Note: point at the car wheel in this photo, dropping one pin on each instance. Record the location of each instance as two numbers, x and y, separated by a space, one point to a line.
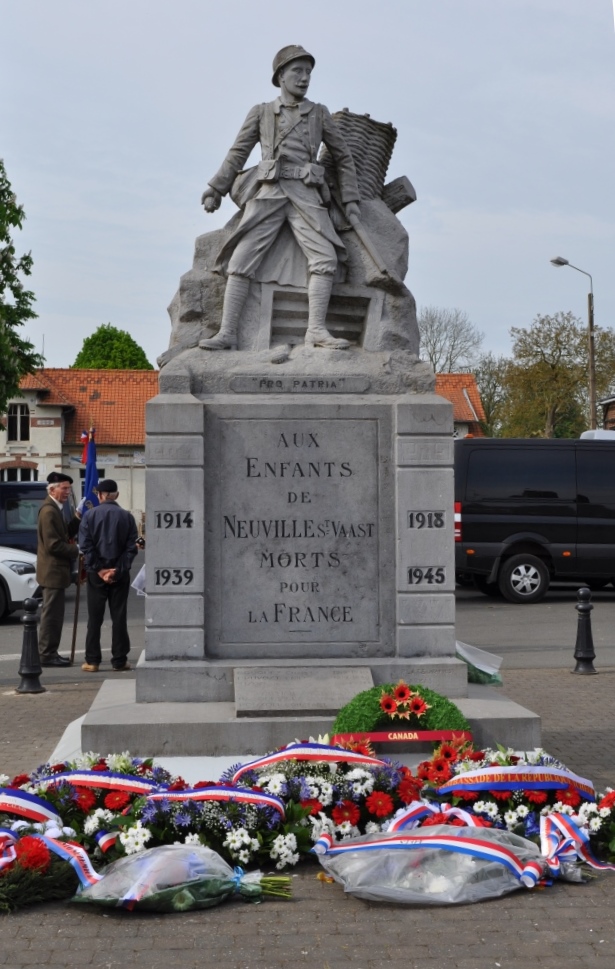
491 589
524 578
3 604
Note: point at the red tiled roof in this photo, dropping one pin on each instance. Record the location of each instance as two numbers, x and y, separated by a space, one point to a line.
112 401
461 390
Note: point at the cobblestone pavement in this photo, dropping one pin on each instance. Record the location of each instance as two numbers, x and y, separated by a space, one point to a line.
321 928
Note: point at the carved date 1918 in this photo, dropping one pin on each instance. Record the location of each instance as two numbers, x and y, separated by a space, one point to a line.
425 519
430 574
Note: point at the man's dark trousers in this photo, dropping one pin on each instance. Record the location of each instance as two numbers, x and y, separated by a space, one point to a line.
116 595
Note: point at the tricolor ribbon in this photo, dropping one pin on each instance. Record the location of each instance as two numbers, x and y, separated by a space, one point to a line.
529 873
518 778
313 752
415 812
106 839
7 848
14 801
223 792
75 856
107 780
561 839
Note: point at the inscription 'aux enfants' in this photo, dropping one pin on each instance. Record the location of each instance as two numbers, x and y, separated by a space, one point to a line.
310 461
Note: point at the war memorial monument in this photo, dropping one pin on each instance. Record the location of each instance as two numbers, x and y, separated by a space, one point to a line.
299 464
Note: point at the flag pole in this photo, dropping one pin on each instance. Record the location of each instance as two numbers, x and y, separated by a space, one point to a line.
77 597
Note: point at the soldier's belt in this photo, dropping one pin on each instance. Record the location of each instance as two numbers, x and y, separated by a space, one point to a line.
294 172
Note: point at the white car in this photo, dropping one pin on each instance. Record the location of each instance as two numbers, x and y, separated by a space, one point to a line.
17 579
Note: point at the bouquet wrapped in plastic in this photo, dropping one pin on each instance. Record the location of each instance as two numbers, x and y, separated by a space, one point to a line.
435 865
178 878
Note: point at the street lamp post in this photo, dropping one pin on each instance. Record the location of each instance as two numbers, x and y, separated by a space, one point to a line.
560 261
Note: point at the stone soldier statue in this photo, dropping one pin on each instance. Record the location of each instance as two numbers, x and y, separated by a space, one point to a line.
288 186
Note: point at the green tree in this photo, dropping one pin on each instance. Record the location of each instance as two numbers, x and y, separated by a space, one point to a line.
491 372
17 355
111 349
448 339
546 382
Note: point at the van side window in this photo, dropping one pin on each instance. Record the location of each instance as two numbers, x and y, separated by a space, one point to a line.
514 473
596 476
22 513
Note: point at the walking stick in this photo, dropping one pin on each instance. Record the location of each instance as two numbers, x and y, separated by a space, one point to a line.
72 648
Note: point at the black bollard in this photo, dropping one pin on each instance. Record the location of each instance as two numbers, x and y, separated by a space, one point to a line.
584 647
30 664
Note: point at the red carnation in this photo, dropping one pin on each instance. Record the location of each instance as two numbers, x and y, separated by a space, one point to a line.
439 770
501 795
313 804
409 790
33 853
423 771
465 795
379 803
116 800
19 780
448 751
347 811
178 784
475 755
568 796
536 797
607 801
432 819
388 703
57 768
200 784
100 766
86 800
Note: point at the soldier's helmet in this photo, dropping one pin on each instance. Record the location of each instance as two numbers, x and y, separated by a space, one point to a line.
285 56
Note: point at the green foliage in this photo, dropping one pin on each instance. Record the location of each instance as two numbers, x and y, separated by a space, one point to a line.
363 714
24 886
17 355
111 349
490 373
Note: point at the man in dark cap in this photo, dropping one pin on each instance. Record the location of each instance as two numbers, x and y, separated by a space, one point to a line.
108 540
289 188
55 555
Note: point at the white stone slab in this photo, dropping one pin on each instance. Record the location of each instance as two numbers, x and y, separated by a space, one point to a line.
308 691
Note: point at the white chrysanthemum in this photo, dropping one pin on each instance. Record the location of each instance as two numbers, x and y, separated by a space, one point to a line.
98 819
254 844
560 808
491 809
326 793
274 784
510 819
243 856
319 825
346 829
85 760
371 827
119 762
479 807
4 779
595 824
135 838
192 839
234 839
523 811
603 812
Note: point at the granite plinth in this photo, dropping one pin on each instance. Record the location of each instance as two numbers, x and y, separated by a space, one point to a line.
115 721
297 691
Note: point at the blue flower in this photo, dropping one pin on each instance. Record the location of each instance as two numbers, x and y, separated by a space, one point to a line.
183 819
532 825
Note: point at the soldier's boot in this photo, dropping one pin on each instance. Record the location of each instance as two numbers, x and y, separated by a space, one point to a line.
317 335
234 301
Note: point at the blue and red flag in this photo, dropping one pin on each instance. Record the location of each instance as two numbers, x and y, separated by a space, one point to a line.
91 472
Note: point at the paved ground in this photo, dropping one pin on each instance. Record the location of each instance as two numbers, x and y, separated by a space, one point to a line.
565 926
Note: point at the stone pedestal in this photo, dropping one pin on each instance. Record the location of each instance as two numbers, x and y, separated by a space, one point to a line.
299 549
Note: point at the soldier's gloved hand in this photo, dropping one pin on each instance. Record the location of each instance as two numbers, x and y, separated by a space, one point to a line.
352 211
211 199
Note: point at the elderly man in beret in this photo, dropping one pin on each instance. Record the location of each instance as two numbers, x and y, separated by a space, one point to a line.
55 556
289 188
108 540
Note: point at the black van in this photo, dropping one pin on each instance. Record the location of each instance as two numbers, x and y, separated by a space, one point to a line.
531 511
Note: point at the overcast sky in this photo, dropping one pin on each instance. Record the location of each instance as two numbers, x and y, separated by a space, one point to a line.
114 115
